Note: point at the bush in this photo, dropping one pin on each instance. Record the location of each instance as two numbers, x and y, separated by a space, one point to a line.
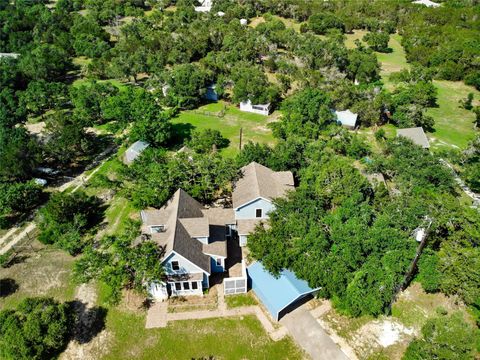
203 141
428 274
38 328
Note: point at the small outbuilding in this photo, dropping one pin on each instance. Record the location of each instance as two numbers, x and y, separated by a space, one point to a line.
134 151
279 295
262 109
426 3
205 6
417 135
347 118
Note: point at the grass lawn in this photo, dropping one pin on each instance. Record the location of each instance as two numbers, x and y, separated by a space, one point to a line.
254 126
223 338
453 125
239 300
40 271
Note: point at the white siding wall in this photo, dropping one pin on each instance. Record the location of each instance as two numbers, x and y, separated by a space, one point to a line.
248 107
248 211
243 240
185 265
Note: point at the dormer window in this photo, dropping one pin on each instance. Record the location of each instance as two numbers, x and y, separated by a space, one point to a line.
155 229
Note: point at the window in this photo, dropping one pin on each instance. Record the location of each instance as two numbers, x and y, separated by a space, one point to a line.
218 262
186 286
178 286
228 231
194 285
175 266
154 229
258 213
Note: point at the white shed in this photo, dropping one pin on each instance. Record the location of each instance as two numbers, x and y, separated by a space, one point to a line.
427 3
262 109
205 6
347 118
134 151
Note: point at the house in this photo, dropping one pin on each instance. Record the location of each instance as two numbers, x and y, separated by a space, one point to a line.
426 3
253 196
194 241
211 94
134 151
347 118
417 135
262 109
205 6
243 22
9 55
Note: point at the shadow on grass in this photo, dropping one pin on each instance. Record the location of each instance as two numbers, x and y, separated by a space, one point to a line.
8 287
89 321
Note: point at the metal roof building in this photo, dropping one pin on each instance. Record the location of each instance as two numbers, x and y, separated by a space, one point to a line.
277 294
347 118
134 151
417 135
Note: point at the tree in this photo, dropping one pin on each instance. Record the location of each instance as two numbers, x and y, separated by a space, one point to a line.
41 96
67 140
46 61
17 198
252 84
39 328
66 218
187 85
378 41
445 337
363 65
119 264
19 154
89 38
206 140
320 23
467 103
153 126
476 111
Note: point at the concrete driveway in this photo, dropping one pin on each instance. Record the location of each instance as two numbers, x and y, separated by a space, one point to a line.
309 335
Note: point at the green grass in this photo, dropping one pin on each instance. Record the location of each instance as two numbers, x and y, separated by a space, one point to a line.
222 338
239 300
453 125
118 213
254 126
115 82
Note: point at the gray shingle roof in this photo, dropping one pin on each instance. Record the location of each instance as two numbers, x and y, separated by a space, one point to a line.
184 219
260 181
417 135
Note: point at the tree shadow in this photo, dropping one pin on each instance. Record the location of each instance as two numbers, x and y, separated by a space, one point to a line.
182 132
8 287
89 321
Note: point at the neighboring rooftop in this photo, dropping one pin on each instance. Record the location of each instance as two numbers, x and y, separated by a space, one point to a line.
260 181
134 151
427 3
347 118
417 135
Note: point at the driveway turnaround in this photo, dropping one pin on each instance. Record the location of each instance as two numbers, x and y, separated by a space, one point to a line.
308 333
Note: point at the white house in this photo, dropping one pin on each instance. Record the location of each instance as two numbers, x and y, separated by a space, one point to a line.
253 194
134 151
262 109
347 118
427 3
205 6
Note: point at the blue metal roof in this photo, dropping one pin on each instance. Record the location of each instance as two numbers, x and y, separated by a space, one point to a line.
277 293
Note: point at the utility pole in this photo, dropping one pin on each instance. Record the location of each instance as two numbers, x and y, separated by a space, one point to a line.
240 143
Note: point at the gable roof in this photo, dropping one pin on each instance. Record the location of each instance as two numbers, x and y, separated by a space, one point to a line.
347 118
258 181
417 135
183 219
138 146
277 293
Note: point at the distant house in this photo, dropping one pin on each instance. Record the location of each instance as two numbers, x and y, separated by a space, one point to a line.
253 194
347 118
262 109
134 151
427 3
243 22
194 240
205 6
9 55
211 94
417 135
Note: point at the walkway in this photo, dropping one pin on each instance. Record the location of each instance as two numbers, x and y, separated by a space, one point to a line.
475 197
309 335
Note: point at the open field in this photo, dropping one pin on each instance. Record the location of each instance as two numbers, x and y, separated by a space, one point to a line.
388 337
254 126
222 338
39 271
453 124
